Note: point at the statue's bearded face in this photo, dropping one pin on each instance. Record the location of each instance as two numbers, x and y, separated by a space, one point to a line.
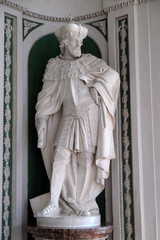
73 46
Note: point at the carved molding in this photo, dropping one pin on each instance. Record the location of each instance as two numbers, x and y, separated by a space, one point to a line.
101 25
9 128
78 18
125 138
29 26
14 126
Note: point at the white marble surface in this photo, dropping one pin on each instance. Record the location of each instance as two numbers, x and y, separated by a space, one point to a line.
69 222
75 122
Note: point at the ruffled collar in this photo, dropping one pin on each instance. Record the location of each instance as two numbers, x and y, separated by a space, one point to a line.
61 69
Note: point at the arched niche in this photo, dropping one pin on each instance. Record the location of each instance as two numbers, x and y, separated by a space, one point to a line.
43 49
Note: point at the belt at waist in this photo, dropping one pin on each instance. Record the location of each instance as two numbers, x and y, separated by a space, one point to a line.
78 110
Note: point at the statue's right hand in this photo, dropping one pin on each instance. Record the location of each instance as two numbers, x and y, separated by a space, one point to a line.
41 133
40 139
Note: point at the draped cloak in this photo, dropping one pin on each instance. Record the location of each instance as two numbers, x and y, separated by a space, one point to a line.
94 73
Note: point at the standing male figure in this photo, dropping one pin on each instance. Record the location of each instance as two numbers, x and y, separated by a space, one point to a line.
75 121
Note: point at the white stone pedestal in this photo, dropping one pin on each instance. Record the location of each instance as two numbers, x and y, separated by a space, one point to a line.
71 222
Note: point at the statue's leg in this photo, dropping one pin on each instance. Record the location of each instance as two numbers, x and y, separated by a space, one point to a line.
85 166
76 187
87 188
85 161
61 159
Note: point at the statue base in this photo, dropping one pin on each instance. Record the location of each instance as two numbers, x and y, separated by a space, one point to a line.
98 233
63 221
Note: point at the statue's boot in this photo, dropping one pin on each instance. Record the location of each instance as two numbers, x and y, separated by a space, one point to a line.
61 158
50 210
79 211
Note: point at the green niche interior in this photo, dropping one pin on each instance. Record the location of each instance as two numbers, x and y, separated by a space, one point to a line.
44 49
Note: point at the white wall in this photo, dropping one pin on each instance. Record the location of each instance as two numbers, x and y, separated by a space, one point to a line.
62 8
154 15
147 59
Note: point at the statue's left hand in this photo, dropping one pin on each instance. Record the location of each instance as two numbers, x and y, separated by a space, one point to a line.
94 95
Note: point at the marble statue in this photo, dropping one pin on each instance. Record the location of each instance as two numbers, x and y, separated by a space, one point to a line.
75 121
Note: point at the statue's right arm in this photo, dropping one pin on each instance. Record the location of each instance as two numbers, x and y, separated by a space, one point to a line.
41 122
49 99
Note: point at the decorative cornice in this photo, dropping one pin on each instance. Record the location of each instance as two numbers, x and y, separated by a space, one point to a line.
125 4
78 18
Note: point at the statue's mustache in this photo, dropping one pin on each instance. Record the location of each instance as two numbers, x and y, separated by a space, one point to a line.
77 48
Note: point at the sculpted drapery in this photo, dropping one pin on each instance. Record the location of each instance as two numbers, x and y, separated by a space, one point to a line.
76 122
